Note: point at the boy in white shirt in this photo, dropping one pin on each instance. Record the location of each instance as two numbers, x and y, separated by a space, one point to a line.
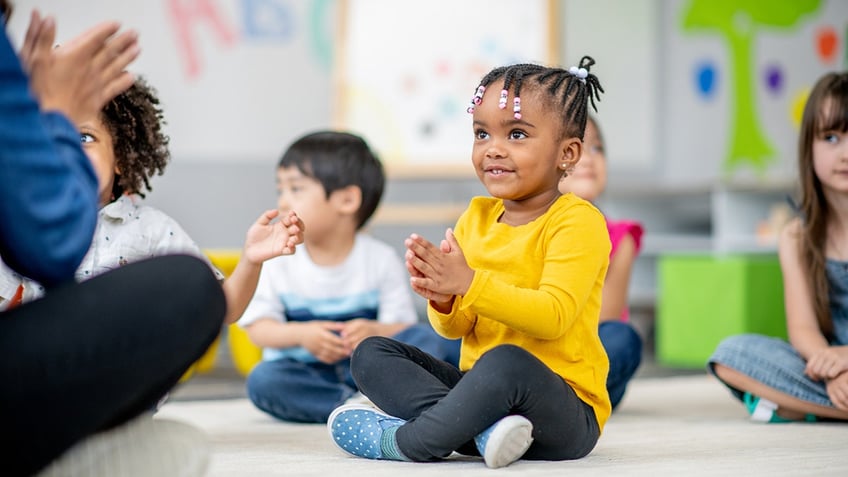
312 309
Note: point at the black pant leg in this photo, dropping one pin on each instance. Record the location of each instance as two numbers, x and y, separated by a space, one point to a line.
90 356
399 378
505 380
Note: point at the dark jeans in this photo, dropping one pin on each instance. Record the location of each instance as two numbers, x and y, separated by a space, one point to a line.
292 390
446 408
90 356
624 349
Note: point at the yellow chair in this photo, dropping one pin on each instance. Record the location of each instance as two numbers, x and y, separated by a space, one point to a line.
224 260
244 353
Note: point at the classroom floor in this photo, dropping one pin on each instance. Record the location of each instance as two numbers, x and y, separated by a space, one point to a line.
671 422
678 424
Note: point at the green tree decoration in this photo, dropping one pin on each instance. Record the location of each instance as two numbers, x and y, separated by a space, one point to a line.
738 22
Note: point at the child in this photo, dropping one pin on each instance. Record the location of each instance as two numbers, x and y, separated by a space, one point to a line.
621 342
807 377
519 280
127 146
313 309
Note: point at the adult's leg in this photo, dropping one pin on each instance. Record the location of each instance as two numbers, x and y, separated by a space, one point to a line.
770 368
90 356
624 349
294 391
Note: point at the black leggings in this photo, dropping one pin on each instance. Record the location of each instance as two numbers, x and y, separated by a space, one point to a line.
90 356
446 408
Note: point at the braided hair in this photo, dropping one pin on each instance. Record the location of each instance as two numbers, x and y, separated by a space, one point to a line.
135 122
574 87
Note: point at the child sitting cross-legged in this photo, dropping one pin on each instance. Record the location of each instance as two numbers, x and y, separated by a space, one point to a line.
620 339
313 309
519 280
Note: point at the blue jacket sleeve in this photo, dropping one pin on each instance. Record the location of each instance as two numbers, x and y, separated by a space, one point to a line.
48 189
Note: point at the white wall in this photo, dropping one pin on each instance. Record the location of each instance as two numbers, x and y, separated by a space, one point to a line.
623 38
264 76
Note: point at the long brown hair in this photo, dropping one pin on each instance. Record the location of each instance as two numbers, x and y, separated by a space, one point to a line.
826 110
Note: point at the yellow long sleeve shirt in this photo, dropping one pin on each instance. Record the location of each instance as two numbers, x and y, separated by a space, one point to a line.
537 286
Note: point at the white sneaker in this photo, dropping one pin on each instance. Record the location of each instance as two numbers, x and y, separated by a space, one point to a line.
142 447
505 441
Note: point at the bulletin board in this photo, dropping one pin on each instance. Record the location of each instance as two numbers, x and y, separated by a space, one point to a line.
406 71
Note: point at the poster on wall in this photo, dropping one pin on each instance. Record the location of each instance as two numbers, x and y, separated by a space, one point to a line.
736 78
406 71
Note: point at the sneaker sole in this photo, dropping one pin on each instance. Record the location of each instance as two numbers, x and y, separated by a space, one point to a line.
508 441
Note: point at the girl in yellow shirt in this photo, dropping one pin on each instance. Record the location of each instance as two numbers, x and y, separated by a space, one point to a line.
519 280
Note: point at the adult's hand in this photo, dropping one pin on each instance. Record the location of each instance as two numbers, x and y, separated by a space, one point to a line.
82 75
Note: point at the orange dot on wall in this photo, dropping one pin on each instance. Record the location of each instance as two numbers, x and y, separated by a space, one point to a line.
826 44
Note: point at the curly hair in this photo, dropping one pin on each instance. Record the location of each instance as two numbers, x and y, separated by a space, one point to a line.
135 121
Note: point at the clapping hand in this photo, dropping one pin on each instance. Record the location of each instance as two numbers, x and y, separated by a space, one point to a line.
437 273
267 238
80 77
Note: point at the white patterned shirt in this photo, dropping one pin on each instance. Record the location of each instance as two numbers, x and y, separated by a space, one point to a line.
126 232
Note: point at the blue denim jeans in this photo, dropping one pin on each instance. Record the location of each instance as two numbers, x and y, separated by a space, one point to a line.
296 391
771 361
624 349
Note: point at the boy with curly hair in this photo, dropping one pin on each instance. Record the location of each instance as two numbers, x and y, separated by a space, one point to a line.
127 146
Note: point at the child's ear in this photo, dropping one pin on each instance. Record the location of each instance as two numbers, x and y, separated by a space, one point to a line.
572 149
348 200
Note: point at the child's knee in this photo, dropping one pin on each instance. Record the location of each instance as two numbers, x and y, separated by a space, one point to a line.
507 363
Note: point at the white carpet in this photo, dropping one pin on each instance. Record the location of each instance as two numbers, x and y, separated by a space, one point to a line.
666 426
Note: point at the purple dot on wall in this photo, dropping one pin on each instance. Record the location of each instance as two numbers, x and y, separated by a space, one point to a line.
705 79
773 78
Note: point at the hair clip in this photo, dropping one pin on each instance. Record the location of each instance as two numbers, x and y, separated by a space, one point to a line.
502 100
516 107
579 73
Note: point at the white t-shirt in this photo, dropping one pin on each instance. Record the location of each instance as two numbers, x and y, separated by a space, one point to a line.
371 283
126 232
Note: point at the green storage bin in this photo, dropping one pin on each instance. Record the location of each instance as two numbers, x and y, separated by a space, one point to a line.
703 299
